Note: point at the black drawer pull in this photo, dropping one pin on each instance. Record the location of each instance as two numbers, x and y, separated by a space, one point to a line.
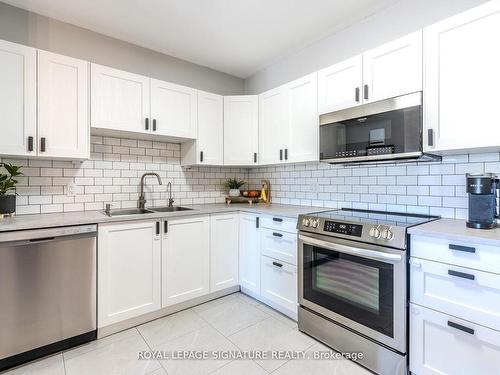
281 154
157 228
356 94
255 157
42 144
463 275
365 93
465 249
146 123
154 124
286 154
257 222
42 239
277 234
430 137
460 327
279 220
165 226
277 264
30 143
201 156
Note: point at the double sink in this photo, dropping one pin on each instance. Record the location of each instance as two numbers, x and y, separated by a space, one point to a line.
140 211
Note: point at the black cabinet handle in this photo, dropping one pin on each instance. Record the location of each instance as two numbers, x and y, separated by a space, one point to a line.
286 154
165 226
257 222
201 156
42 144
430 137
356 94
146 123
281 154
278 219
460 327
277 234
157 228
30 143
365 92
277 264
463 275
255 157
465 249
154 124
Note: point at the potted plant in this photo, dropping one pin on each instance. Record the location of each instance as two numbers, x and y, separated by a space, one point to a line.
234 187
7 189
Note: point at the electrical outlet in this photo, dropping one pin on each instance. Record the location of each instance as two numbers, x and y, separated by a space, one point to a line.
70 190
313 188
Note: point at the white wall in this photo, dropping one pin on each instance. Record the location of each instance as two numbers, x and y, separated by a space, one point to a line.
20 26
397 20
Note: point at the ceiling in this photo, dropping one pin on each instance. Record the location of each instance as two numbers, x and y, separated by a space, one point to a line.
238 37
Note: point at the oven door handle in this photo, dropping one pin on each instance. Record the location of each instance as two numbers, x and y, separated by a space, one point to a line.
364 253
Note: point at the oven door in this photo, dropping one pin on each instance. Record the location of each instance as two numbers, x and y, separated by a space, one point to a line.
360 286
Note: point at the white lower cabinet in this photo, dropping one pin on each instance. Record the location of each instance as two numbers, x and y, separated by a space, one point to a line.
249 262
441 344
223 251
185 259
128 271
279 285
279 245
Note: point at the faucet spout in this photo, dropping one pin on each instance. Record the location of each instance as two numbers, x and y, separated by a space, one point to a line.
141 203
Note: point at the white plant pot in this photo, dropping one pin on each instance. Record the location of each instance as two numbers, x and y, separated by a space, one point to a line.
234 192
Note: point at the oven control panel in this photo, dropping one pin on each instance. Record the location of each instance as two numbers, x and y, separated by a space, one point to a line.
343 228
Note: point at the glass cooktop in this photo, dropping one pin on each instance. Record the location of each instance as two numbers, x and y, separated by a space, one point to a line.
375 217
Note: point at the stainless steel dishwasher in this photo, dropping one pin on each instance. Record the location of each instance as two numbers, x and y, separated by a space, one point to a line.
47 291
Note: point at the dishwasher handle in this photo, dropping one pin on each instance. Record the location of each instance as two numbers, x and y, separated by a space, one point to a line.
33 236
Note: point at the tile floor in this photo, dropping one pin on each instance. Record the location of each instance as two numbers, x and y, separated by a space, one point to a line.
235 322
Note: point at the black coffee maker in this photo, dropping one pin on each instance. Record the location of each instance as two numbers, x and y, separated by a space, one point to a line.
483 206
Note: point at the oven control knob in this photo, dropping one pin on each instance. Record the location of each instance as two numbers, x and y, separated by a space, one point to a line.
374 232
387 234
306 221
314 223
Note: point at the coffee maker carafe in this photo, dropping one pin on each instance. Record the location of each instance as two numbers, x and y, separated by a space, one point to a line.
483 206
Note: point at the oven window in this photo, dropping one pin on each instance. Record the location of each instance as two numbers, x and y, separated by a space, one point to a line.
358 288
390 132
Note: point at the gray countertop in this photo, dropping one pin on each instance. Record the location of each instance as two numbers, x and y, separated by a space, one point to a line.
96 217
456 230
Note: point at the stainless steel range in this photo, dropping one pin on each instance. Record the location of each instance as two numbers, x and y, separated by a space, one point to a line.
353 283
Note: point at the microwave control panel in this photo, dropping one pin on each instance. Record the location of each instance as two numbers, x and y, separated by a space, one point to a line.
343 228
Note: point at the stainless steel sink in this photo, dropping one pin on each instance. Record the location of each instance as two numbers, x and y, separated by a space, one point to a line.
129 211
170 209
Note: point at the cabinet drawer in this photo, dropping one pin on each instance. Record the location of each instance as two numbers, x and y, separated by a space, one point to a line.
279 245
441 344
279 284
475 256
470 294
285 224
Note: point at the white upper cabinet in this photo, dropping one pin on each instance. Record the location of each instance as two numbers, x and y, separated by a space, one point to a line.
303 126
173 109
273 108
461 81
241 130
120 100
63 121
17 99
223 251
393 69
339 86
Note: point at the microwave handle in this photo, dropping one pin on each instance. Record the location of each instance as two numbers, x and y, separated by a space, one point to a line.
363 253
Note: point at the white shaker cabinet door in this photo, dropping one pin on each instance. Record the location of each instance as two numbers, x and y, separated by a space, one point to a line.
120 100
273 125
185 259
17 99
174 109
241 130
393 69
223 251
339 85
63 106
461 81
210 129
129 267
303 126
249 253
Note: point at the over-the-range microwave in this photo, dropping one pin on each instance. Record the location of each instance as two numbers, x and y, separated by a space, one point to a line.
387 130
